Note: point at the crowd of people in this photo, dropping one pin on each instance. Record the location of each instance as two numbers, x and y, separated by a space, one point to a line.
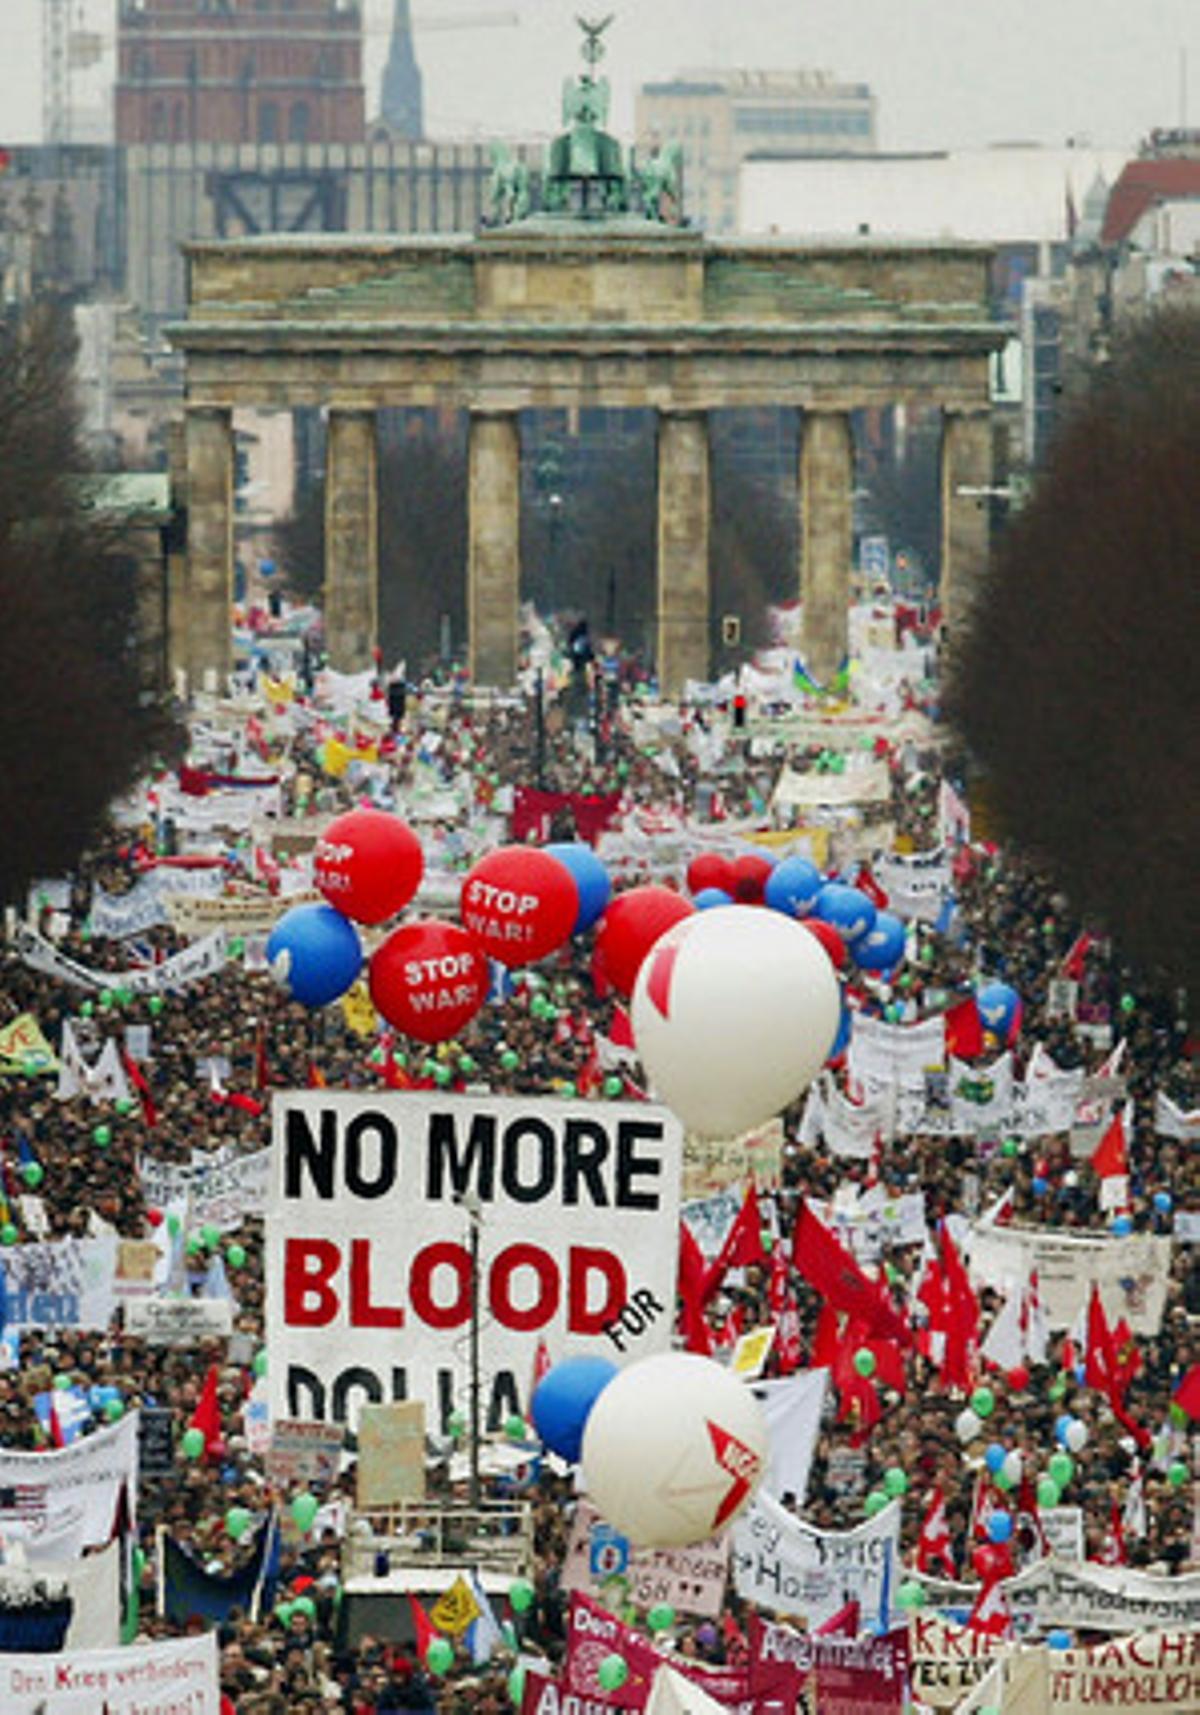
541 1037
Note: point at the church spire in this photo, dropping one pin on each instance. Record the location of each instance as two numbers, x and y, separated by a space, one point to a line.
401 105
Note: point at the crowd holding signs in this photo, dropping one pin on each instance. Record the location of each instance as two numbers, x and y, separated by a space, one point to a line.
769 1202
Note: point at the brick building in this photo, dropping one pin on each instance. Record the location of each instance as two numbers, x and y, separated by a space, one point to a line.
239 71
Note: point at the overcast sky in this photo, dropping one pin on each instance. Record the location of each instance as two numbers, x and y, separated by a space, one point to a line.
946 72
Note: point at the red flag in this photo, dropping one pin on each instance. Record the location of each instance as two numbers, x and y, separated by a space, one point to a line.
207 1415
316 1078
262 1073
541 1365
990 1614
1103 1371
697 1335
742 1247
1110 1158
830 1268
1072 965
1187 1395
964 1032
244 1103
961 1324
934 1548
1113 1551
424 1630
866 883
843 1624
826 1339
138 1079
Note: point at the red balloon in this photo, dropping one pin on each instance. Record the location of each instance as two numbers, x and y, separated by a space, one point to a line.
631 926
829 938
750 877
710 869
368 865
429 979
1018 1378
520 903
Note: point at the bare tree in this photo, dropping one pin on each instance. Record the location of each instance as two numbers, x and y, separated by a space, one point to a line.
1074 682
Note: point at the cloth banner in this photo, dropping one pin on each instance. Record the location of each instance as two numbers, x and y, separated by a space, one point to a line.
788 1566
368 1259
792 1408
533 813
895 1054
1149 1670
224 1188
252 914
981 1097
24 1049
191 1593
593 1633
104 1080
174 1678
917 886
871 1222
116 916
192 965
868 783
849 1128
58 1503
947 1661
865 1675
89 1589
64 1283
691 1580
1170 1120
1132 1272
711 1165
1086 1595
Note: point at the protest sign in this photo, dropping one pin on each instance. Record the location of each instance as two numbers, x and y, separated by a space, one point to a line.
1131 1272
24 1049
60 1502
303 1452
1170 1120
174 1678
1150 1670
947 1661
191 965
691 1580
916 885
391 1454
865 1675
710 1218
253 915
870 1222
368 1243
156 1445
711 1165
791 1567
894 1054
593 1634
179 1321
139 1264
792 1408
1100 1598
224 1189
116 916
1063 1530
63 1283
544 1695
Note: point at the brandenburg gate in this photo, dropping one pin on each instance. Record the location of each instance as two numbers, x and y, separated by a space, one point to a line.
598 298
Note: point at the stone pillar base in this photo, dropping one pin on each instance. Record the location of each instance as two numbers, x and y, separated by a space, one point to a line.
684 505
966 512
826 539
493 546
209 598
351 540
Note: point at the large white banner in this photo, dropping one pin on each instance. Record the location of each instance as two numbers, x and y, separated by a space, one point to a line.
61 1502
192 965
916 886
882 1054
1132 1272
175 1678
790 1567
64 1283
225 1188
368 1244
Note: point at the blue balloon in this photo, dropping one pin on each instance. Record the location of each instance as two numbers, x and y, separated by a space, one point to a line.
883 944
1163 1202
314 953
848 909
589 876
995 1456
563 1399
710 897
998 1006
793 886
1122 1226
1061 1424
841 1040
999 1526
1040 1186
1058 1639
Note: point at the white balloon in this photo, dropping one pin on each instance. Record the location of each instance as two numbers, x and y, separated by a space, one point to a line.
734 1013
1012 1466
673 1449
967 1424
1076 1437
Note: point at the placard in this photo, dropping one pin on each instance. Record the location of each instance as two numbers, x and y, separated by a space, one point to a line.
391 1454
178 1321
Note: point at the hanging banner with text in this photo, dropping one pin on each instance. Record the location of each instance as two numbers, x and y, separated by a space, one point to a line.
175 1678
788 1566
374 1203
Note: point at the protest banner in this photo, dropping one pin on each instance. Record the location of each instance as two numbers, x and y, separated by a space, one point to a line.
916 884
117 916
258 914
24 1049
63 1283
191 965
73 1606
1170 1120
174 1678
882 1054
866 784
1100 1598
376 1200
711 1165
1131 1272
303 1452
710 1218
60 1502
791 1567
1063 1530
1150 1670
691 1580
179 1321
843 1675
947 1661
391 1454
593 1633
156 1442
545 1695
139 1264
224 1188
870 1222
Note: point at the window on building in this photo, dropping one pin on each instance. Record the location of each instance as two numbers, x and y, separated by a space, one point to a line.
158 122
178 123
298 122
268 122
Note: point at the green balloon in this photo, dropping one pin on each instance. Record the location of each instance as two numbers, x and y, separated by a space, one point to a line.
865 1361
62 1382
114 1410
194 1245
211 1236
306 1606
875 1502
107 997
193 1443
456 1425
283 1613
509 1060
86 1008
124 995
1003 1481
1010 1147
155 1004
173 1225
612 1672
466 1065
911 1595
1128 1003
439 1657
1177 1414
33 1173
8 1234
1061 1467
102 1136
1048 1492
983 1402
661 1617
238 1521
123 1105
515 1427
1058 1388
304 1511
520 1595
895 1481
612 1087
1177 1474
236 947
235 1256
516 1685
569 1090
260 1361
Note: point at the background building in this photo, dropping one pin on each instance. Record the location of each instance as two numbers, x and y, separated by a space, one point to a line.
239 71
720 117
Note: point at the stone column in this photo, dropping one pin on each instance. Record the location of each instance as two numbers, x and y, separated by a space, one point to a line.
208 647
493 546
351 539
966 513
826 539
684 505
